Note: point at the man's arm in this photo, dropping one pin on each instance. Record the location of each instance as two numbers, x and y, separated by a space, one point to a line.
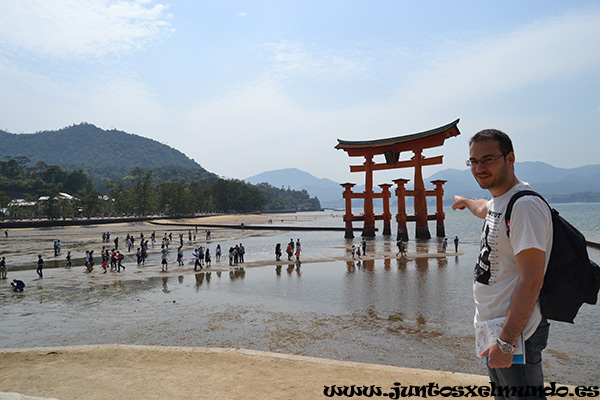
530 264
477 206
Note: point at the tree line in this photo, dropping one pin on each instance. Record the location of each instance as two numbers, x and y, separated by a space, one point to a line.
141 193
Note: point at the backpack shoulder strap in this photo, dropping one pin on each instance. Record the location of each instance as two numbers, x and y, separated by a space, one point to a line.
512 201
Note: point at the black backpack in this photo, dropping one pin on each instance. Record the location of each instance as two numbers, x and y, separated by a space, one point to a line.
571 277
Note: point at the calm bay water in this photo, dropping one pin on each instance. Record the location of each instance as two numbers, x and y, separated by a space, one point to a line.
415 312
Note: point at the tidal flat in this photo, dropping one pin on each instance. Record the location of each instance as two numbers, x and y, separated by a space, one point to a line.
412 312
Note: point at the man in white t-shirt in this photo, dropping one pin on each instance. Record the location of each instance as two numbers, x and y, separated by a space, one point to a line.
510 269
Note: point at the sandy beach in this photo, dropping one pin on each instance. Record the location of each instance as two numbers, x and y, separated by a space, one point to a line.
125 370
143 372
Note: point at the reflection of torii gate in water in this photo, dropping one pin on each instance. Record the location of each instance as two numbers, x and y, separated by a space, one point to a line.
391 149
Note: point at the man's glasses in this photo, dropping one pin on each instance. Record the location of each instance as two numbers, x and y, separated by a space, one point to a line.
485 161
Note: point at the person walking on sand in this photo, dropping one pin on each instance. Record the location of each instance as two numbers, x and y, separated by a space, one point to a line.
241 252
68 259
197 260
218 253
509 272
236 255
180 256
231 250
289 250
120 261
363 243
278 252
3 273
444 245
207 258
201 256
456 244
401 248
164 264
104 255
113 260
87 261
40 266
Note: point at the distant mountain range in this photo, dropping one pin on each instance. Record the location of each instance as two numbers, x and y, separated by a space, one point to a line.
553 182
112 154
328 191
556 184
102 154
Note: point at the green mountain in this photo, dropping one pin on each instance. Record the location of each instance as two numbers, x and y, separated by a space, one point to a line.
140 176
103 154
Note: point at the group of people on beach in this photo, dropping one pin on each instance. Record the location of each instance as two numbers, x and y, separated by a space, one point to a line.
57 248
445 244
201 257
236 254
113 259
291 249
356 250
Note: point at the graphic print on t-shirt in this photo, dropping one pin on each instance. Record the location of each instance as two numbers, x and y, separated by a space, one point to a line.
484 267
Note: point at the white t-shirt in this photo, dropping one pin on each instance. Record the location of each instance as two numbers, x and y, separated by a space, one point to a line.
496 273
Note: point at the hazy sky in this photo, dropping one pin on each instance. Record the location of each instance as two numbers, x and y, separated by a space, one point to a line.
248 86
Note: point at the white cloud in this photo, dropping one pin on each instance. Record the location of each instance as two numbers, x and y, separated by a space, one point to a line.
545 51
298 60
82 28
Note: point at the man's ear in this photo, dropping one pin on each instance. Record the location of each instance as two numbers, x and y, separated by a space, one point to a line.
510 158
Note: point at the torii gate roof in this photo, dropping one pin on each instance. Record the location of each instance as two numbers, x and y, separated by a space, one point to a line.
423 140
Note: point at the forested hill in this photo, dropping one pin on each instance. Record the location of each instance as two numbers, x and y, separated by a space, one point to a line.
102 154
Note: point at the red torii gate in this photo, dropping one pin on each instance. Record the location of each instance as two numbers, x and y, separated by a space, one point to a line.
391 148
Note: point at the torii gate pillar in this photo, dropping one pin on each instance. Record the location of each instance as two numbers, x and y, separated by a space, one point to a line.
422 228
348 217
401 219
439 214
369 226
387 216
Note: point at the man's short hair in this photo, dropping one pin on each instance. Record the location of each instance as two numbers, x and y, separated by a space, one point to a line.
494 134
